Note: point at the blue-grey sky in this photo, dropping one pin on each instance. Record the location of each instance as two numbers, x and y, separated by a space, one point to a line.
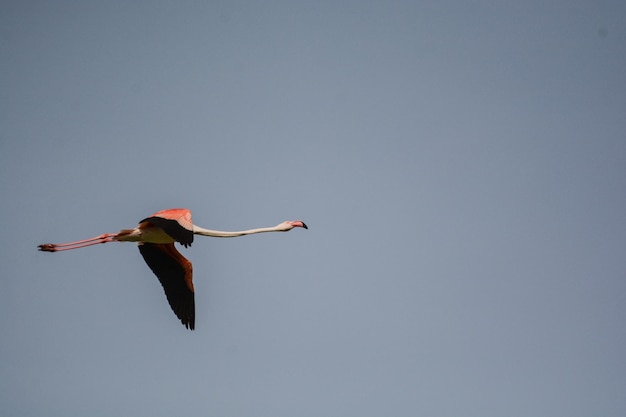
461 165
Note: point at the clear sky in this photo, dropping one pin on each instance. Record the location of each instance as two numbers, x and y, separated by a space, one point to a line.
461 166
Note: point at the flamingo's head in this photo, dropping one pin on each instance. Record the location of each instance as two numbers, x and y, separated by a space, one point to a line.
290 224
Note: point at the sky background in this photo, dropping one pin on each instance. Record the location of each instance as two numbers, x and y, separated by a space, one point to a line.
461 166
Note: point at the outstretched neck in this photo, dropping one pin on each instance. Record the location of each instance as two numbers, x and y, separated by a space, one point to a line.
219 233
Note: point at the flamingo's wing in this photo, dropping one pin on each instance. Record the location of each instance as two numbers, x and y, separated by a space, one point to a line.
175 273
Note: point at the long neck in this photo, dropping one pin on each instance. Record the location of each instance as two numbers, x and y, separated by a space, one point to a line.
218 233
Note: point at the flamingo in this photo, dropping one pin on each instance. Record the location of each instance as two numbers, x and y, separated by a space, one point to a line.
155 236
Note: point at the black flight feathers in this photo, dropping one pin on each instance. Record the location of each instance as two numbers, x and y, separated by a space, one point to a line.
171 274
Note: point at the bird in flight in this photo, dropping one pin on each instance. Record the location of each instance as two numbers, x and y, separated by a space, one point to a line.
155 236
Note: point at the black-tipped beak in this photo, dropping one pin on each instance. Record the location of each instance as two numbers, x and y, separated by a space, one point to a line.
304 225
